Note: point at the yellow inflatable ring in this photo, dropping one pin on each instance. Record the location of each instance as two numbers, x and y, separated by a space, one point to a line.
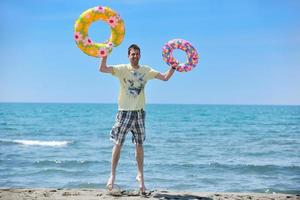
86 19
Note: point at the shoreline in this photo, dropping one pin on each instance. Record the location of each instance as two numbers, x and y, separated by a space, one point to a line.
91 194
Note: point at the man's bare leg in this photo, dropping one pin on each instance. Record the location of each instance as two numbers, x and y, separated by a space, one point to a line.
139 155
114 163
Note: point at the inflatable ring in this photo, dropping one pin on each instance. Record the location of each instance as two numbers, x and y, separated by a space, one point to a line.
192 55
86 19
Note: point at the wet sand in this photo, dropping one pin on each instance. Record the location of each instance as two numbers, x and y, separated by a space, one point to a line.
93 194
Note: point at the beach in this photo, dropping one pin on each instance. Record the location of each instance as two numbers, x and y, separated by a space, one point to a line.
93 194
211 148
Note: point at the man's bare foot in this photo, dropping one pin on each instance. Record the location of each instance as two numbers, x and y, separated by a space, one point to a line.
140 180
110 183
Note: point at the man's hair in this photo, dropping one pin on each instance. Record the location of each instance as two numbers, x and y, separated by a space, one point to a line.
135 47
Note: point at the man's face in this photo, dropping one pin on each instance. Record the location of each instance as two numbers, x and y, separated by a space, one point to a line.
134 57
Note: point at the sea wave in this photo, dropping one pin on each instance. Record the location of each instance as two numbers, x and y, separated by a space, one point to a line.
69 163
263 168
37 143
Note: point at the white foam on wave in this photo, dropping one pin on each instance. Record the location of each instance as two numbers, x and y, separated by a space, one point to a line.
39 143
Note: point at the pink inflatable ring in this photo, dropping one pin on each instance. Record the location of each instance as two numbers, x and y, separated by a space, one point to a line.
192 55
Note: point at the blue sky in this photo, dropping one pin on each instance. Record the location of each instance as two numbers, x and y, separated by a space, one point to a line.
249 51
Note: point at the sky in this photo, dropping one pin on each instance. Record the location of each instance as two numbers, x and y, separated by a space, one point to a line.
249 51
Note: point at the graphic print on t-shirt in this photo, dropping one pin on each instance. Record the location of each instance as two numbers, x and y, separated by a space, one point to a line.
134 83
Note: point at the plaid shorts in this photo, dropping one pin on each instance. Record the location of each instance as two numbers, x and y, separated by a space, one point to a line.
133 121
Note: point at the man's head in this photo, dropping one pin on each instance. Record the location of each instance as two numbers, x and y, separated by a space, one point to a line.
134 54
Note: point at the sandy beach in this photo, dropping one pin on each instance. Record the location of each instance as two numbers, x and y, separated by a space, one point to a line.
93 194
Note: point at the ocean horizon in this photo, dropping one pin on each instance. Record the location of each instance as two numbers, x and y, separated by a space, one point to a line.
193 147
147 104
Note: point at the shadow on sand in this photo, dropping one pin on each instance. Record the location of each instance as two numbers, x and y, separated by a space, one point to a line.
179 197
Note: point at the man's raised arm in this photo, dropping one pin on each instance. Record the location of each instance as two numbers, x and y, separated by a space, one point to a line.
103 67
166 76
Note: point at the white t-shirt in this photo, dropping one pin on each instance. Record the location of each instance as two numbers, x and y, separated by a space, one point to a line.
132 84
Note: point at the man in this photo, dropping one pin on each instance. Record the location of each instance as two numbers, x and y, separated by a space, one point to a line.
131 115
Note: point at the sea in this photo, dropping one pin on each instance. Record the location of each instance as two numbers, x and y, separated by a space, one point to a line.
202 148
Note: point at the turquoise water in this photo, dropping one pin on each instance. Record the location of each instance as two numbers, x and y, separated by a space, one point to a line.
188 147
